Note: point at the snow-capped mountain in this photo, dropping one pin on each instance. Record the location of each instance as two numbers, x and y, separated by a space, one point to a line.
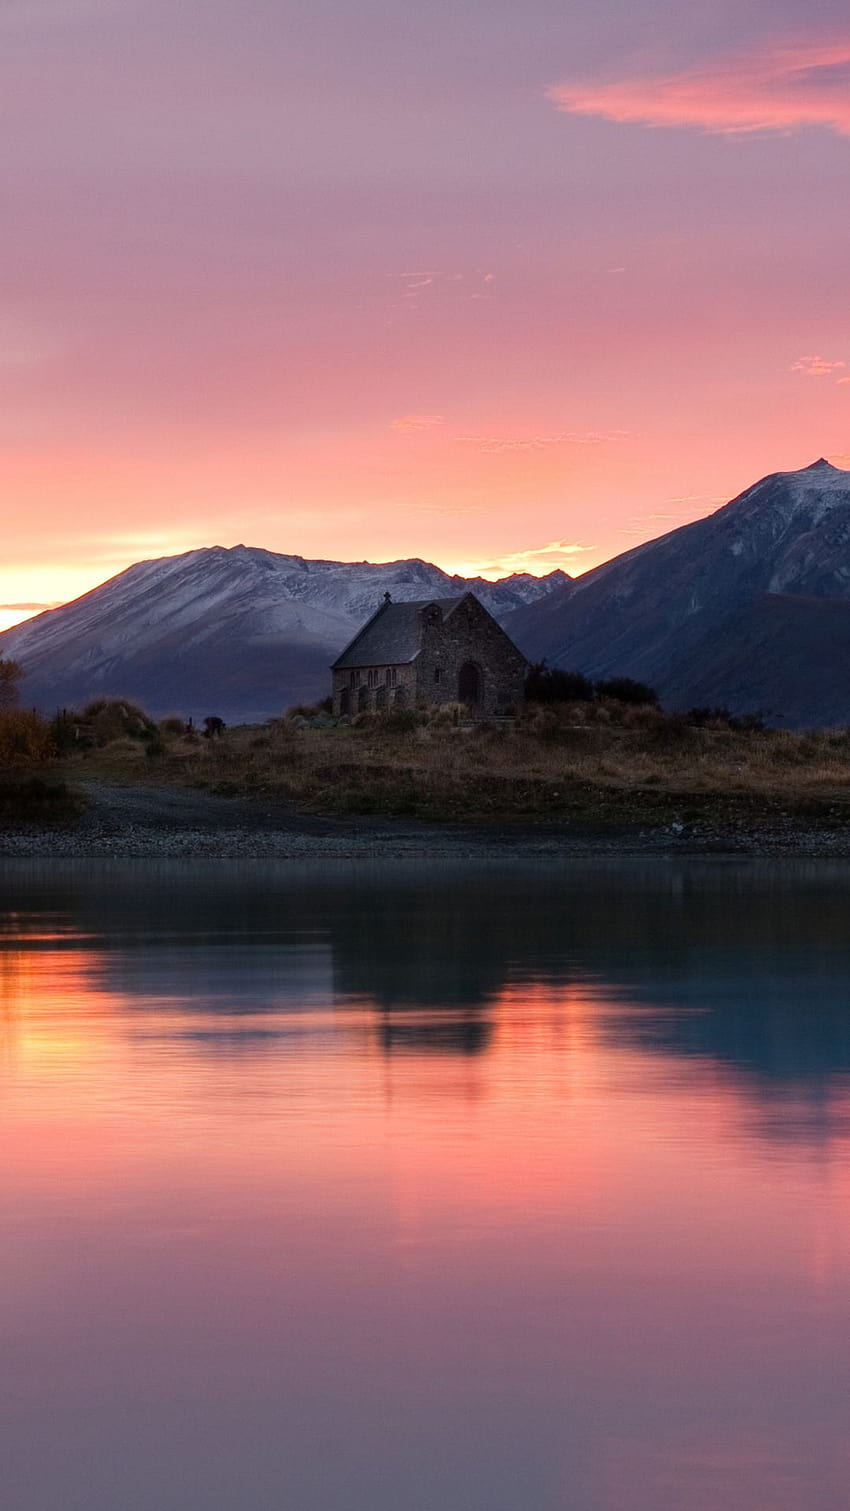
748 608
241 632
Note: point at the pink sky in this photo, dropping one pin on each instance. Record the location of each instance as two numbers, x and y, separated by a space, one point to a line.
506 288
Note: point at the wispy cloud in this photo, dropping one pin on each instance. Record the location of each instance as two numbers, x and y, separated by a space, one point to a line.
817 367
775 89
498 443
433 282
412 287
26 608
681 509
414 424
691 500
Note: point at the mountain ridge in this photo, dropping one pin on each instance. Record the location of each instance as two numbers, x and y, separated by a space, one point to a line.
654 612
238 630
727 609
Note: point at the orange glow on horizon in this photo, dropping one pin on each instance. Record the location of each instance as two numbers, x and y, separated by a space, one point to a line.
355 533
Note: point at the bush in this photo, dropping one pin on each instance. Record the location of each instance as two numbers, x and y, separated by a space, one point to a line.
674 734
721 718
302 711
749 724
25 738
641 716
103 721
10 675
551 684
33 800
109 719
398 720
708 718
625 690
67 733
310 710
447 714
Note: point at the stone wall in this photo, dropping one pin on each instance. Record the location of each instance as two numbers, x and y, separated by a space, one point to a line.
362 697
468 635
469 638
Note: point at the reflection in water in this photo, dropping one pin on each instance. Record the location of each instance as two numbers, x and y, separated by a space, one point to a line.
427 1187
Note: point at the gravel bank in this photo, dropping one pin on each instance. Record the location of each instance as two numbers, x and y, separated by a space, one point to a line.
152 822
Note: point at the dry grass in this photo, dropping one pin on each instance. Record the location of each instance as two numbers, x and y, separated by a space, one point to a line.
594 764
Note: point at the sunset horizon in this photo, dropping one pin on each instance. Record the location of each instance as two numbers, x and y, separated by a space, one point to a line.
411 282
537 561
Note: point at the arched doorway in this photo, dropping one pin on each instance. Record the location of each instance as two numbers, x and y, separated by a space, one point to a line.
344 703
469 684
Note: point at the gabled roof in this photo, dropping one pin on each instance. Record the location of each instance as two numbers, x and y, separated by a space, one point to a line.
393 636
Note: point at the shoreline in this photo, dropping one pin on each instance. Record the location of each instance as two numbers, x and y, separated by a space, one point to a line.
147 822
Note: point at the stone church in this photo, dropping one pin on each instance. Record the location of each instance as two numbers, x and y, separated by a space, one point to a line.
442 650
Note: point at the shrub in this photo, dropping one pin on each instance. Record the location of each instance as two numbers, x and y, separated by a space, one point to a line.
25 738
302 711
749 724
626 690
551 684
721 718
397 721
675 733
109 719
445 714
310 710
641 716
64 730
35 800
10 675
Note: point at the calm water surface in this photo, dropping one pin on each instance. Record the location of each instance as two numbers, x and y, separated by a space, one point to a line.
425 1189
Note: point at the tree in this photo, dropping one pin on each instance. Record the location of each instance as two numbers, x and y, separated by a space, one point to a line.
10 675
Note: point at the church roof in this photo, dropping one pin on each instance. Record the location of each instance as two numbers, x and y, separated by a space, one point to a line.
393 636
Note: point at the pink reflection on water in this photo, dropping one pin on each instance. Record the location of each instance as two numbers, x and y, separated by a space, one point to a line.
261 1259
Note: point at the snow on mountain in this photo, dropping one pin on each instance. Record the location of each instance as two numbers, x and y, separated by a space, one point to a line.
682 612
238 631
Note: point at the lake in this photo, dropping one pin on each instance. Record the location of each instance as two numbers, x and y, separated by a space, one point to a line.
425 1188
